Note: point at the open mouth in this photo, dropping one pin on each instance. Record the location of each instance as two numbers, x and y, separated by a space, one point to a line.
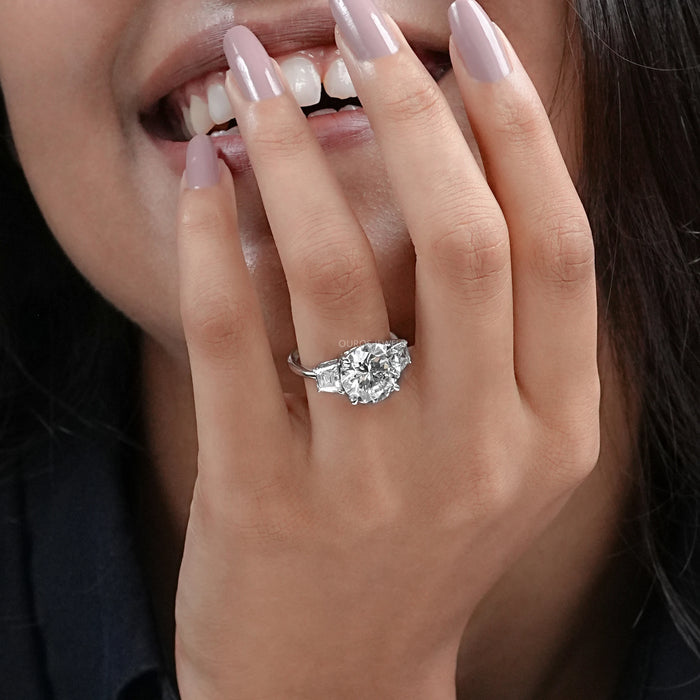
318 79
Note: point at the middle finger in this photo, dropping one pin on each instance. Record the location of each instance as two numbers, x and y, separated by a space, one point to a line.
464 315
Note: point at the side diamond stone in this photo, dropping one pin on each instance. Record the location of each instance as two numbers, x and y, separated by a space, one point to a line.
328 377
400 357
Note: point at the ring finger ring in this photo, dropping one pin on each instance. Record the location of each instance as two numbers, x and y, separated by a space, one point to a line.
366 373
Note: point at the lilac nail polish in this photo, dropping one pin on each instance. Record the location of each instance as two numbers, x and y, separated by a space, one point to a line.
202 163
364 29
477 41
251 66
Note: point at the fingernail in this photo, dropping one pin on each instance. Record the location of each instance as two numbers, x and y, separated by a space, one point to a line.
477 41
202 163
364 29
251 66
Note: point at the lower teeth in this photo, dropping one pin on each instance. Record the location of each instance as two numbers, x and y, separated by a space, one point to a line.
229 132
321 112
235 131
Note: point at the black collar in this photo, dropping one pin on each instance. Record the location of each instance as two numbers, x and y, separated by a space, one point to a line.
90 599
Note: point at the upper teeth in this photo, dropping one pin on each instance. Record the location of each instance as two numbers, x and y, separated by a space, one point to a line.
302 74
200 115
337 81
304 80
220 109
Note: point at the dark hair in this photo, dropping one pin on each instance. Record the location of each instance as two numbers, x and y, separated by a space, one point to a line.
640 183
58 337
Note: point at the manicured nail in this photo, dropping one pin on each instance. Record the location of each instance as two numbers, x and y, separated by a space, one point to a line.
202 163
477 41
364 29
251 66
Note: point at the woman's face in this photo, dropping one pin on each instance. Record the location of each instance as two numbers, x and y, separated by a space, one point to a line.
81 82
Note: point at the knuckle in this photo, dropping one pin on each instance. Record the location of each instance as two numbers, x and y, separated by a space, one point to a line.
259 524
485 490
584 451
493 483
202 220
490 491
519 119
216 322
287 139
578 456
564 254
472 255
570 453
418 105
335 279
365 508
261 512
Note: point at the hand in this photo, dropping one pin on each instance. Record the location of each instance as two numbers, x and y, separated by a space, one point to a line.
337 550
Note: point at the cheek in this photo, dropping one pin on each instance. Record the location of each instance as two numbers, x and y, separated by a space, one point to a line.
66 126
58 43
54 71
54 59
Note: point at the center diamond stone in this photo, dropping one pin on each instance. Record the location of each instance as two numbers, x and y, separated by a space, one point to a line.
370 372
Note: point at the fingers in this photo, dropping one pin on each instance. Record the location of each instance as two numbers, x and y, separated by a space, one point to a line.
238 399
552 248
522 235
464 306
333 281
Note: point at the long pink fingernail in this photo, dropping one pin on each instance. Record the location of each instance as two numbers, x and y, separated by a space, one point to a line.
251 66
202 168
364 29
478 42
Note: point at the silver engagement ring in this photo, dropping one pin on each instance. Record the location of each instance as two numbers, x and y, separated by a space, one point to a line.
366 373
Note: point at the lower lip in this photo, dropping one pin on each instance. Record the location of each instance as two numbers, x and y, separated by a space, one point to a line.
333 131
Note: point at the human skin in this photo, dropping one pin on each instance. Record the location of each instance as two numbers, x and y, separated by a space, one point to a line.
111 200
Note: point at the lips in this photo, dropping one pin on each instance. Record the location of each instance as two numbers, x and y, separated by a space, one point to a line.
318 79
184 95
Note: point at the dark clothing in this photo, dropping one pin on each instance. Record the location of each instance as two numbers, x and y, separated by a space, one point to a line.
75 620
75 617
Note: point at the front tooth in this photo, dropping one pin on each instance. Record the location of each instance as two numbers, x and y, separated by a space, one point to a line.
187 118
337 81
199 113
303 79
220 109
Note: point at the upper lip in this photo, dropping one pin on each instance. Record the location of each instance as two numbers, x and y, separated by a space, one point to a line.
203 52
